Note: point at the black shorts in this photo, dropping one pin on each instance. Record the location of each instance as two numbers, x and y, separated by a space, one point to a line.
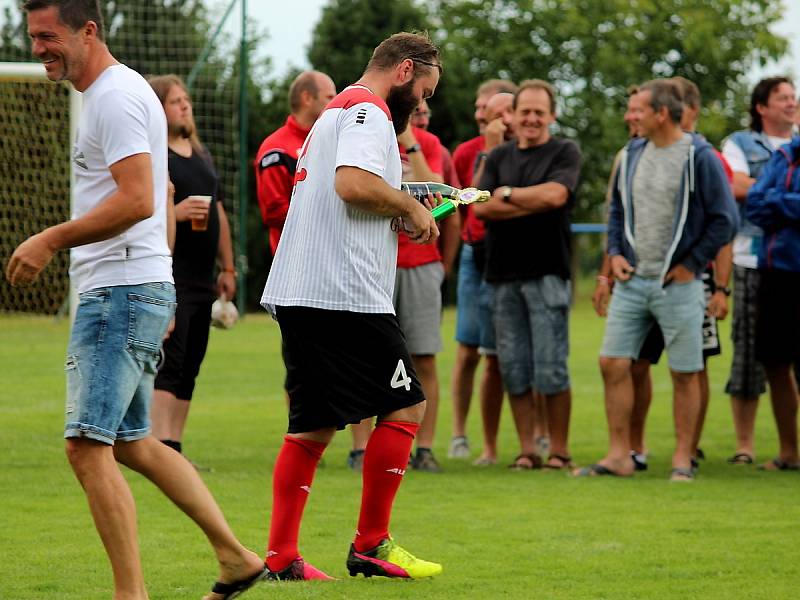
653 345
343 367
185 348
778 319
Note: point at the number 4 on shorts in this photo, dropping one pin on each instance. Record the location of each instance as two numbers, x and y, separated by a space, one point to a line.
400 377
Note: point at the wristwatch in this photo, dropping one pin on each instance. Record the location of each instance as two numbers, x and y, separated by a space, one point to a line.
507 193
413 148
722 288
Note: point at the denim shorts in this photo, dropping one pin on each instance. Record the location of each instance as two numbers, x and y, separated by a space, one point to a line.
475 297
531 320
113 351
678 309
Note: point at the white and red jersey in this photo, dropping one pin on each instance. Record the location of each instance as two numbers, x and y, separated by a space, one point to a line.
333 255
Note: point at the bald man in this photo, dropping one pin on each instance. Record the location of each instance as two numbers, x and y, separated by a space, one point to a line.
276 159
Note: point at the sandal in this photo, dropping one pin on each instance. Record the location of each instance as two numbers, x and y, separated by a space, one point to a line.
778 464
682 475
596 471
740 458
526 462
565 462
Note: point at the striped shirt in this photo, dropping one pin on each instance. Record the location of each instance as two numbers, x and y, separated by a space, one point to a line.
332 255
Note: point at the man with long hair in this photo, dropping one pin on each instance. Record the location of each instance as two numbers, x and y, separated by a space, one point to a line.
196 251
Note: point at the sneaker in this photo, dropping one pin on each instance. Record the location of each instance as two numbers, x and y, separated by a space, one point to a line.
299 570
388 559
639 461
425 461
459 447
355 460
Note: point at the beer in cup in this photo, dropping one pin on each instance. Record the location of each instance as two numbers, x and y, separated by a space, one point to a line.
201 224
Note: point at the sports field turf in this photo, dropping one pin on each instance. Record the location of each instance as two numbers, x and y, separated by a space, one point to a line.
733 534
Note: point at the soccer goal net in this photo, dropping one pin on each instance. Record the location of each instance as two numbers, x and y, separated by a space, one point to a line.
195 39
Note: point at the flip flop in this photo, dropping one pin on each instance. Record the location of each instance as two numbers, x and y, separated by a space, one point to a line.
597 471
234 589
682 475
532 462
566 462
778 464
740 458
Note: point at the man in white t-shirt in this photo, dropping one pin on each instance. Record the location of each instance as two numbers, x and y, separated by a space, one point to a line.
122 269
330 288
772 109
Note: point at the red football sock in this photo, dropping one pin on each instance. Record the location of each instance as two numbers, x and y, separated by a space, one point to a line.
291 484
385 462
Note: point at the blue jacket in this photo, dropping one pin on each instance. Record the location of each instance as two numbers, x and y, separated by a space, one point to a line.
706 219
773 203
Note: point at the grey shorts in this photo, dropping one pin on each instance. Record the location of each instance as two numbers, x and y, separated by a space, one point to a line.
531 320
747 379
418 305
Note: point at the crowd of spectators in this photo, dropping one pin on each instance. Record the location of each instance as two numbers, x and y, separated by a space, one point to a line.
686 231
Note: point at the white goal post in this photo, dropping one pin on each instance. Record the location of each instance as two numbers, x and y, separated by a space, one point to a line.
18 71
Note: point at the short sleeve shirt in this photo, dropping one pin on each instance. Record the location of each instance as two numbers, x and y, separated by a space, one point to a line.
195 253
535 245
333 255
121 117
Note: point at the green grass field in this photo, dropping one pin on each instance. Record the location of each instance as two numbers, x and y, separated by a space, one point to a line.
732 534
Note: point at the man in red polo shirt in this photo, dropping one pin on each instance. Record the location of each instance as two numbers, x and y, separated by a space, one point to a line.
421 269
473 316
276 159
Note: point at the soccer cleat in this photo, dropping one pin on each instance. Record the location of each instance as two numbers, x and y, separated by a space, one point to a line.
459 447
299 570
388 559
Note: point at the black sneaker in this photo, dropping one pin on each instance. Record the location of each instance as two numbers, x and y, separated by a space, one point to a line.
639 461
355 460
425 461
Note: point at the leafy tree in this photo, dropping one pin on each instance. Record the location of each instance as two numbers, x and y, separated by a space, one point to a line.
593 50
165 36
349 30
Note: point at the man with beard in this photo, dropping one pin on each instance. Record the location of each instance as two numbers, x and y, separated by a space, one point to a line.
193 261
421 270
121 267
330 289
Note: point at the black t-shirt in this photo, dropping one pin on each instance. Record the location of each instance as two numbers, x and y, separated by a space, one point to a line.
535 245
195 251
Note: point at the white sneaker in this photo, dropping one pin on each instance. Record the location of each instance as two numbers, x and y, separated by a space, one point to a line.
459 447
